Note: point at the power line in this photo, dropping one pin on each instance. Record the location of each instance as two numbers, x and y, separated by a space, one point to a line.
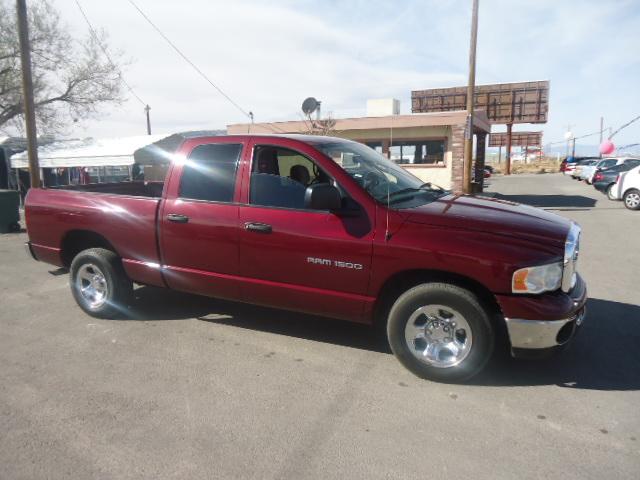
624 126
106 54
573 138
186 59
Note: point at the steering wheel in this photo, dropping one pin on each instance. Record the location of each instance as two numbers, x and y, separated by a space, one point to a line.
373 181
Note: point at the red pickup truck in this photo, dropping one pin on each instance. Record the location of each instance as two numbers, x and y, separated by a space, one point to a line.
324 226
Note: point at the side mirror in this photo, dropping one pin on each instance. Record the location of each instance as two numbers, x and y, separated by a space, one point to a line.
322 196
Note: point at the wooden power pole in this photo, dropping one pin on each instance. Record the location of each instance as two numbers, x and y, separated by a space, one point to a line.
27 94
468 134
146 109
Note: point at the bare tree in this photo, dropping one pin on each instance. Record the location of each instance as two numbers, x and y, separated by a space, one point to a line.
325 127
71 78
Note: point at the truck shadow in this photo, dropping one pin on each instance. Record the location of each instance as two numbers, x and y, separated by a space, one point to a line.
604 356
551 201
153 304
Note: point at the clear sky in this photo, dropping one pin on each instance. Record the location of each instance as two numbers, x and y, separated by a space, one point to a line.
270 55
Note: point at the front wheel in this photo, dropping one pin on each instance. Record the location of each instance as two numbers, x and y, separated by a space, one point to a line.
632 199
440 332
610 192
99 284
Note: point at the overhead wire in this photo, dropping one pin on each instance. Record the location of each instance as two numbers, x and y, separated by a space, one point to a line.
625 125
93 33
190 62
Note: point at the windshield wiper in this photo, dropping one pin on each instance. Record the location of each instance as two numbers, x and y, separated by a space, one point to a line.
424 186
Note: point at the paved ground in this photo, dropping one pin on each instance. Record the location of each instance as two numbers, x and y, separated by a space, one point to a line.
197 388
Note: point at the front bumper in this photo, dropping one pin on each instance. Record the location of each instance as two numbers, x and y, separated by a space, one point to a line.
543 334
538 325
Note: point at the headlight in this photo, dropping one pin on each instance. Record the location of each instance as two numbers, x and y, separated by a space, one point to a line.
545 278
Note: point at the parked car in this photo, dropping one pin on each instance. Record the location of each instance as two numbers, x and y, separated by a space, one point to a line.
577 171
489 168
325 226
569 163
627 188
603 180
587 172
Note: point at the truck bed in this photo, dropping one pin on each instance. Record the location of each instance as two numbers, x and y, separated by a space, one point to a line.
123 213
134 189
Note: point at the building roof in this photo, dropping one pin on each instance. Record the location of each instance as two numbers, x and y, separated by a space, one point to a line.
88 152
369 123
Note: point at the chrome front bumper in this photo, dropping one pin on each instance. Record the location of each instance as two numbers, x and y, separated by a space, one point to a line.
541 334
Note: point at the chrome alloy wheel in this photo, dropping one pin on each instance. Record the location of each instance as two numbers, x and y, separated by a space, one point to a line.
92 285
632 200
438 336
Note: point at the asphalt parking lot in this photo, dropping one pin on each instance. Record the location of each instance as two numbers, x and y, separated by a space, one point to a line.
197 388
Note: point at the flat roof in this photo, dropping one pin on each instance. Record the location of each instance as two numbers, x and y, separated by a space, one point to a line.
436 119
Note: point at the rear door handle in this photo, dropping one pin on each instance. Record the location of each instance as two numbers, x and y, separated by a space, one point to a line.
258 227
177 218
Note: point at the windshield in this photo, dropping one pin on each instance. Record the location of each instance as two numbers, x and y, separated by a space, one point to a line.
381 178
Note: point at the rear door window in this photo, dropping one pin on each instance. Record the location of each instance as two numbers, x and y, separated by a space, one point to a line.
209 173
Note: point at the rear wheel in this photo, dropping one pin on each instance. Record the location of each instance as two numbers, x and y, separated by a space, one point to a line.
632 199
440 332
99 283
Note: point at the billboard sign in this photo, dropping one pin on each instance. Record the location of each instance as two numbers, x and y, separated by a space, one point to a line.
504 103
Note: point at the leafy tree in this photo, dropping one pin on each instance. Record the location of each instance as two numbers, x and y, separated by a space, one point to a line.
72 78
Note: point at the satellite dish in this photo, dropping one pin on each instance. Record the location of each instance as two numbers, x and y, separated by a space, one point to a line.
310 105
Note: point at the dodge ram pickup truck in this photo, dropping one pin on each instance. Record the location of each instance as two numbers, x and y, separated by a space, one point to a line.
324 226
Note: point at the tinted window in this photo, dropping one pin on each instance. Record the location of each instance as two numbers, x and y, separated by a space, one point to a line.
608 163
280 177
629 164
210 172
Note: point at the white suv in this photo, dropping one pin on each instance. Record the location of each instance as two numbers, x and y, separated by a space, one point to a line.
627 188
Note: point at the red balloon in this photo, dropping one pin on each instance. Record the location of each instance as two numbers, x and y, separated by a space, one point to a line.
607 147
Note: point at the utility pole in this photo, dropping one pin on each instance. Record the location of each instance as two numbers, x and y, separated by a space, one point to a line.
601 133
468 134
27 94
146 109
568 136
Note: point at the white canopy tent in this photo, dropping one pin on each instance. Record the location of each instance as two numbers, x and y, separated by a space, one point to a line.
88 152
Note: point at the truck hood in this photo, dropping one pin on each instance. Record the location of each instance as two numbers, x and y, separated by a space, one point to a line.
484 214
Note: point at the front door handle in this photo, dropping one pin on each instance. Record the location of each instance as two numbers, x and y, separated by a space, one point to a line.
258 227
177 218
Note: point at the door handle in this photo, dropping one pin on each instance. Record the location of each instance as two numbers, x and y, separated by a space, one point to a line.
177 218
258 227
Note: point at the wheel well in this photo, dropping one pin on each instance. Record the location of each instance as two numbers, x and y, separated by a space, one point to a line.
76 241
403 281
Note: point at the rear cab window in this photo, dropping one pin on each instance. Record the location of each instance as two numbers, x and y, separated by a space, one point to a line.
210 171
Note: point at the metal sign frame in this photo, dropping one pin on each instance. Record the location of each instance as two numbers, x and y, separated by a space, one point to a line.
518 139
504 103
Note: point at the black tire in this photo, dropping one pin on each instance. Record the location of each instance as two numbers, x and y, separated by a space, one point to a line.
632 199
107 268
452 297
